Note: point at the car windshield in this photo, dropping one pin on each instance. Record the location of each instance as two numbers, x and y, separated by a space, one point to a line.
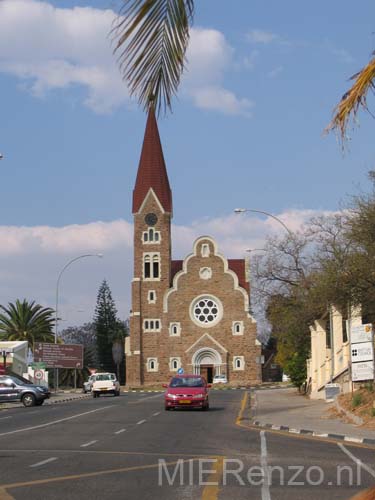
187 382
105 376
20 381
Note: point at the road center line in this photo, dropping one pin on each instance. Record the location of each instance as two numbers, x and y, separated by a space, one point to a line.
3 418
53 422
156 414
88 444
120 431
266 495
357 461
141 422
38 464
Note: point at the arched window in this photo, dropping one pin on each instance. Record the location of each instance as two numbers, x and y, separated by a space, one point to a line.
174 329
151 266
152 364
238 363
151 236
237 327
174 364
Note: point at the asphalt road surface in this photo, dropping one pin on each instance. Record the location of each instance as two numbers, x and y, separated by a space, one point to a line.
130 448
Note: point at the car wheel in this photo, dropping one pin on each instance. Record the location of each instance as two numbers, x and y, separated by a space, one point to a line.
166 408
206 407
117 393
28 400
94 395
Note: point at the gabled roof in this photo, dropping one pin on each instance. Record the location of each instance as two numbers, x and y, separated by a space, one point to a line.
238 266
152 172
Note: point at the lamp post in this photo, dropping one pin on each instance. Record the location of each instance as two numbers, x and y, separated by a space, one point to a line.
57 299
243 210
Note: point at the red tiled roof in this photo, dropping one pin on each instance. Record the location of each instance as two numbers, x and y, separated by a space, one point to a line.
152 172
238 267
235 265
176 265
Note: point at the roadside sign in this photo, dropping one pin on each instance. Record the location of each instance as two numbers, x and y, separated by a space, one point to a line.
39 365
59 355
38 374
362 352
362 371
180 371
361 333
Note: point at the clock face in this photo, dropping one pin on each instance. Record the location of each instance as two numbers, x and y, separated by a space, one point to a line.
151 219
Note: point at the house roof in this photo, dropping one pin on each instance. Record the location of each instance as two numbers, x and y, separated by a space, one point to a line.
152 173
235 265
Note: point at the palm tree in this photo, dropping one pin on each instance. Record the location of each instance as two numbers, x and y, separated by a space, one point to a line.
353 99
27 321
152 37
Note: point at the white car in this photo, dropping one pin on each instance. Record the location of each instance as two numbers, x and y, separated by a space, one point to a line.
220 379
105 383
87 386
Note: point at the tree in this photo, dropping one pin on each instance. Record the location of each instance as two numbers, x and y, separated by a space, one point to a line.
85 335
353 99
27 321
152 38
108 327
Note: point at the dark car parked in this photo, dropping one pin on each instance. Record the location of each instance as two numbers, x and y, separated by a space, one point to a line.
15 389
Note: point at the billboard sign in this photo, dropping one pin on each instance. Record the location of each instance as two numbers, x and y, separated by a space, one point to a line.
361 352
361 333
362 371
59 355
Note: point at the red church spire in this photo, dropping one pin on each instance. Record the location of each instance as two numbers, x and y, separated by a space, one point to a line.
152 172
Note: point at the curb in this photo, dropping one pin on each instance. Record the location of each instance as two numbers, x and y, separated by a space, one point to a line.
308 432
304 432
51 401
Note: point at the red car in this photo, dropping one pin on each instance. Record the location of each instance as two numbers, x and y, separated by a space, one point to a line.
187 391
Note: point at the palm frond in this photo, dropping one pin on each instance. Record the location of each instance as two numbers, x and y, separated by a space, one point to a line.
152 38
353 99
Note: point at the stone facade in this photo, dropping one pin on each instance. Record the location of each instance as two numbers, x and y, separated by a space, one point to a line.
191 314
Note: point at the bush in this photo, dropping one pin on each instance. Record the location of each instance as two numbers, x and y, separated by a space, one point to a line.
369 386
357 400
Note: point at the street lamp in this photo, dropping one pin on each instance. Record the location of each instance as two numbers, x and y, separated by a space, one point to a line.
243 210
57 294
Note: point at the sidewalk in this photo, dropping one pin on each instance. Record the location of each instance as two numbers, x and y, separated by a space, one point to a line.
285 409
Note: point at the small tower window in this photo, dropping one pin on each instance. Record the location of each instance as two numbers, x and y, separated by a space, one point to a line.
151 266
151 325
151 236
151 298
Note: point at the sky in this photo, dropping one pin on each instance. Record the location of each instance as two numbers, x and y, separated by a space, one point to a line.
246 130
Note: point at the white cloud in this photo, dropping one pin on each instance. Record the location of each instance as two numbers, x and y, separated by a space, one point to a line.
32 257
275 71
261 36
220 99
51 48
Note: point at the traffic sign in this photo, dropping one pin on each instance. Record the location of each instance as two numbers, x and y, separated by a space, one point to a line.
38 374
180 371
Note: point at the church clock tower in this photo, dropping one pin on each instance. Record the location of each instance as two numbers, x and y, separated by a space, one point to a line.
152 212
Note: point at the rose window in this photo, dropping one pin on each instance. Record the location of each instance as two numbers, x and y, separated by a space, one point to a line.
206 310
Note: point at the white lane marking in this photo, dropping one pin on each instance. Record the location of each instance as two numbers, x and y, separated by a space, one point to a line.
40 426
156 414
266 495
146 398
88 444
357 461
141 422
38 464
3 418
120 431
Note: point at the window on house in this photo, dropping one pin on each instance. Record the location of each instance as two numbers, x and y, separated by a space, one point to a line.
151 325
152 364
238 363
328 333
151 298
155 266
237 328
205 251
344 329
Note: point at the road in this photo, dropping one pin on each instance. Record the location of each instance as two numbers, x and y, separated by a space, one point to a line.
129 447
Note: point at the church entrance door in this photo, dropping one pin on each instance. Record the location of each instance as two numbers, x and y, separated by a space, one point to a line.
207 372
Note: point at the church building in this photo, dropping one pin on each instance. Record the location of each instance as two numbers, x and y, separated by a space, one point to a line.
193 313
